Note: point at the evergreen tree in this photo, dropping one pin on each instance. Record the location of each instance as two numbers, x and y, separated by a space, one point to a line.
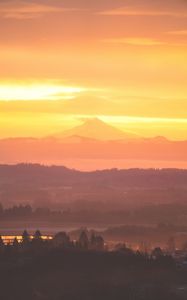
25 238
37 235
1 241
83 240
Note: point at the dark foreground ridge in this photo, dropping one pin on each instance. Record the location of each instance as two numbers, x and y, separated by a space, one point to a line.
58 268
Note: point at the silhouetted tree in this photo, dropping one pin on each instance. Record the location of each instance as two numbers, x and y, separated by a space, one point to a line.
37 235
25 240
61 239
96 242
1 244
83 241
125 250
157 253
37 242
1 241
93 239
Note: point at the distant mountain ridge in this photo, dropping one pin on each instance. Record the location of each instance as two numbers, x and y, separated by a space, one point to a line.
92 144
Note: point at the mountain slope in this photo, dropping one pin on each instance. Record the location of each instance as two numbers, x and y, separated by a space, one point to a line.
97 129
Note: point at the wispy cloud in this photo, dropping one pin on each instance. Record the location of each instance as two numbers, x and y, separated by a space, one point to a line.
127 11
178 32
42 91
27 10
134 41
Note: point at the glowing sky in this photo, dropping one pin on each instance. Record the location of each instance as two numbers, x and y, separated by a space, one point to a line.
124 61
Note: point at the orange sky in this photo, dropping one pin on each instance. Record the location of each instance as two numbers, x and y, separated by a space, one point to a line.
123 61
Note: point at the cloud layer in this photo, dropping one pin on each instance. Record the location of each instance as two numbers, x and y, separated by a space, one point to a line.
28 10
126 11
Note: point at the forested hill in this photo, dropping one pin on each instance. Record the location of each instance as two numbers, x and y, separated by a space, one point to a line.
60 175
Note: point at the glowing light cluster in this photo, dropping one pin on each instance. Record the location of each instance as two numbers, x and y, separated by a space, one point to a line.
8 239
